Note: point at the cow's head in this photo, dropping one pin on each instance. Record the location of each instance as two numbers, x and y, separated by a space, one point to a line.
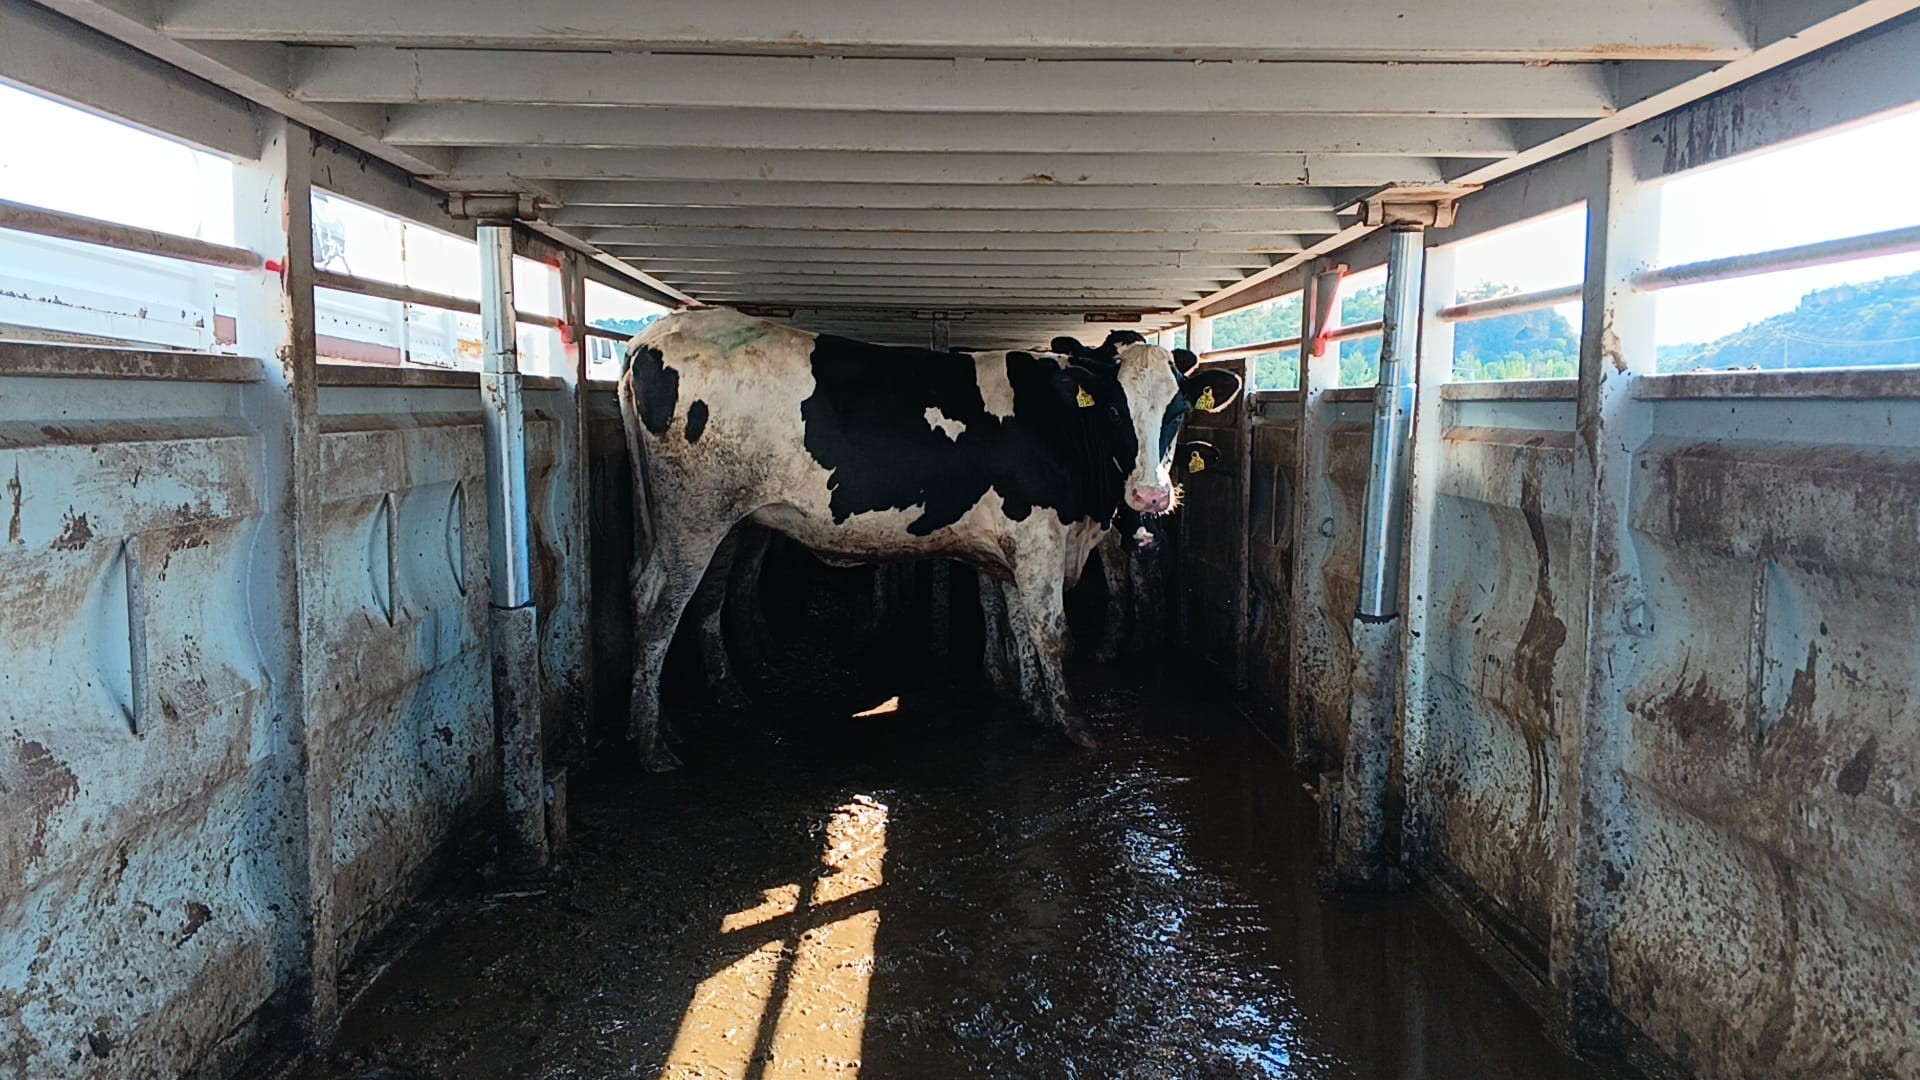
1145 394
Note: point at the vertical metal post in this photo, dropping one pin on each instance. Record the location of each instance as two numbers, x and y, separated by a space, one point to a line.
1313 527
940 573
1199 334
273 214
1243 414
1199 341
1359 856
504 415
576 569
1392 425
1610 628
1435 371
516 638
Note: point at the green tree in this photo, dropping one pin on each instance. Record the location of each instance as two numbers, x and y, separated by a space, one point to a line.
1526 345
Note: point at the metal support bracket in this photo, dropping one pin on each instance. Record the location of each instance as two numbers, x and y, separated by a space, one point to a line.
1429 206
504 207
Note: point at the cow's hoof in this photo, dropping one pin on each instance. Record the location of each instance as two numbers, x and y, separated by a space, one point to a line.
730 695
659 760
1078 735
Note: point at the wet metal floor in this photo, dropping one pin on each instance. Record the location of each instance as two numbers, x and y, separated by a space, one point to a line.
937 889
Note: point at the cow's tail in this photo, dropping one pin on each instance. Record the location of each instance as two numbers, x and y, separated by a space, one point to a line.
643 519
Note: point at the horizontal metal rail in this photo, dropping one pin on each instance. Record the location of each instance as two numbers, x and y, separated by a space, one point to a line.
1357 330
38 220
610 335
1338 333
1821 253
407 294
1512 304
1258 348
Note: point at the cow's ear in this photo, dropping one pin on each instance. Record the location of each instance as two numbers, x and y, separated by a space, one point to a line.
1211 389
1194 458
1074 384
1184 361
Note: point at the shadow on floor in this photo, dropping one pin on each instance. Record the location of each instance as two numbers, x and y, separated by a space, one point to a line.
938 889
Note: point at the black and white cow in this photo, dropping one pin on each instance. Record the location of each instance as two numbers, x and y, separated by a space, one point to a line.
1013 462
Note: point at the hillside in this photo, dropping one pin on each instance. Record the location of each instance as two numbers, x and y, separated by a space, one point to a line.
1846 326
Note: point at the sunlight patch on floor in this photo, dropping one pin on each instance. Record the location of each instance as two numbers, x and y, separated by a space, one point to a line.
892 704
796 1004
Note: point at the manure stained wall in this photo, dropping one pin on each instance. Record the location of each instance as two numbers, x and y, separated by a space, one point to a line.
153 884
1762 924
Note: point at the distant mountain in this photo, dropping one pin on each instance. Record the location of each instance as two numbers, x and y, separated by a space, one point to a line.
1874 323
628 327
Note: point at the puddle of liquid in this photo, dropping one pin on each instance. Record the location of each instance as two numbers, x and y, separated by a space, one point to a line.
942 890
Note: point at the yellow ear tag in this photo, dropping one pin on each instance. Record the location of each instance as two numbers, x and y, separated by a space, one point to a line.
1083 399
1205 403
1196 463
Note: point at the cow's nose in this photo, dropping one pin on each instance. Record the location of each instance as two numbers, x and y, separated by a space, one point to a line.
1151 500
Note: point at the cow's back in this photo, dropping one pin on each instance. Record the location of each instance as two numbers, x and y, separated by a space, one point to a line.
870 451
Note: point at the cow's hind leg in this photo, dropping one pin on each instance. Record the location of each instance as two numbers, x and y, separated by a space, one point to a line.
709 610
1041 612
661 590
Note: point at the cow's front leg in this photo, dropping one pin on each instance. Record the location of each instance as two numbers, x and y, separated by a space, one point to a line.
1002 674
1041 612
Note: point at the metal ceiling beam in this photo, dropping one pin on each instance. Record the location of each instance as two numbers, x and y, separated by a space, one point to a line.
1099 303
609 222
951 196
256 72
759 283
820 239
477 169
1085 270
1089 272
1239 29
1065 290
1087 298
668 259
48 53
793 129
999 87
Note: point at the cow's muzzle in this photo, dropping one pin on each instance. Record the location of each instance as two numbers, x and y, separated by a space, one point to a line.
1150 500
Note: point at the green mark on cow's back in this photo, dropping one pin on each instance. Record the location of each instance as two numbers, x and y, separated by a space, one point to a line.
739 337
